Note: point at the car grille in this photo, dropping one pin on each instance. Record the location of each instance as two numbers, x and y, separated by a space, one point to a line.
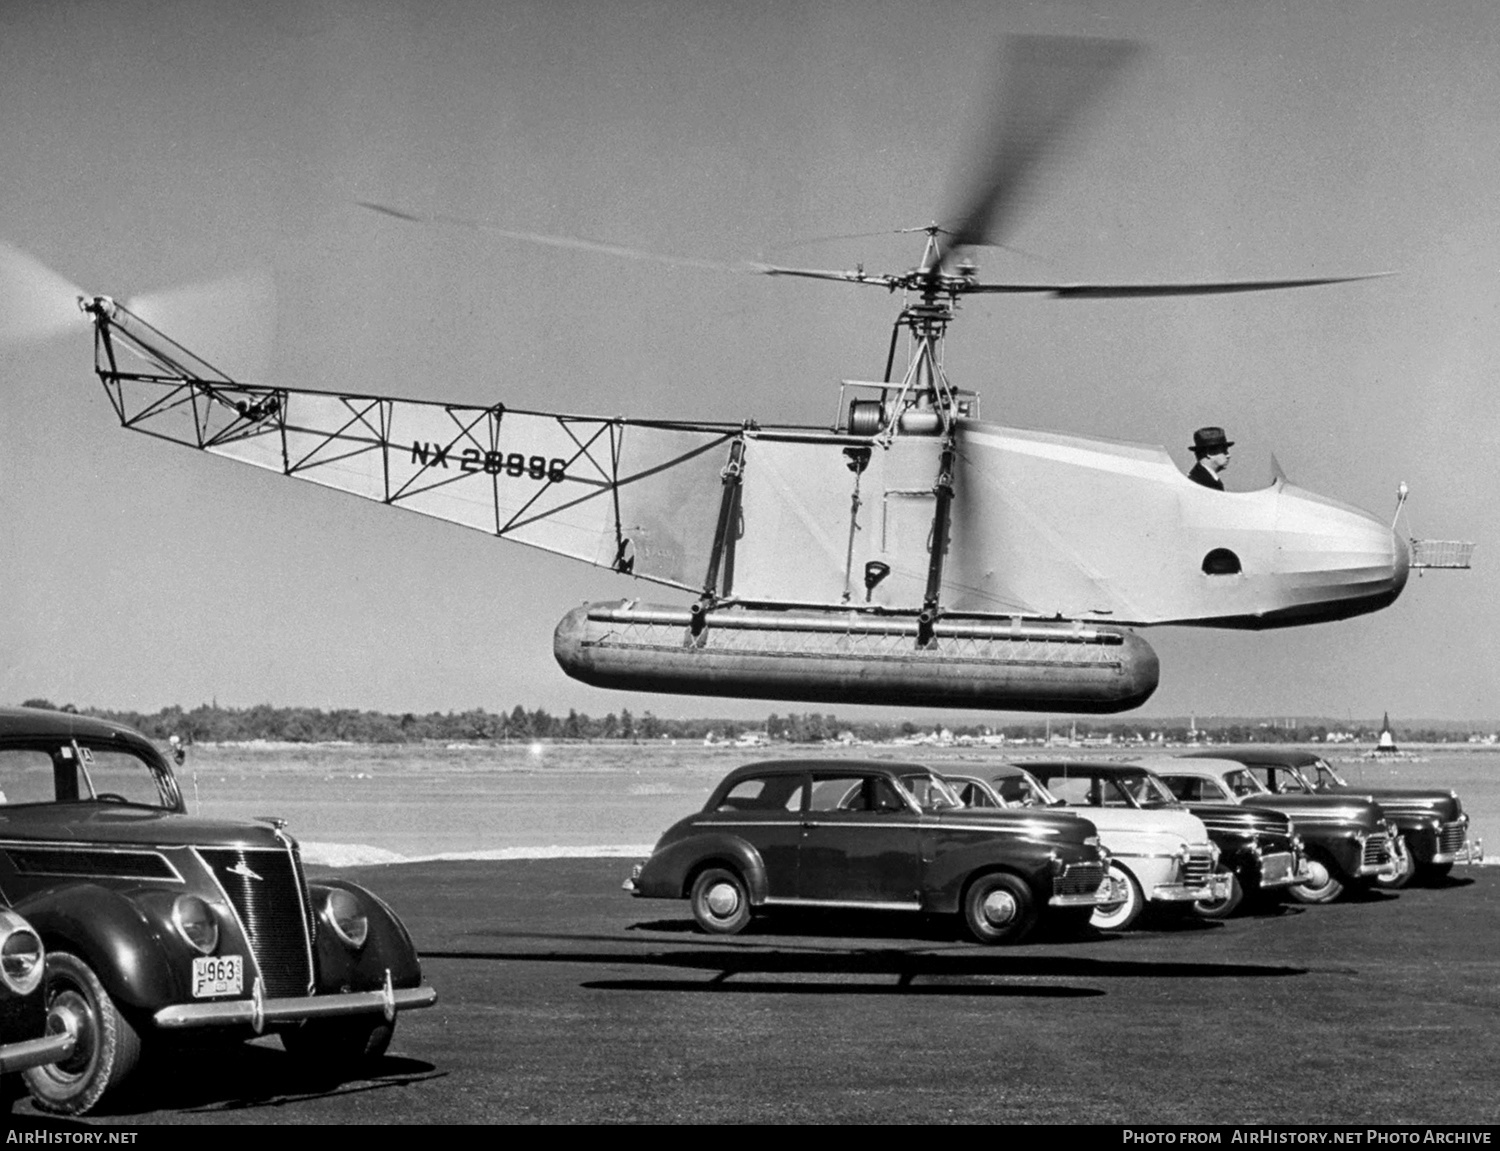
1079 879
1275 868
1199 868
1377 850
1451 838
271 909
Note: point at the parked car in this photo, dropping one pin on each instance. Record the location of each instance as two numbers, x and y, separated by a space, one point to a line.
1160 853
877 836
29 1034
1348 840
1260 853
158 924
1432 822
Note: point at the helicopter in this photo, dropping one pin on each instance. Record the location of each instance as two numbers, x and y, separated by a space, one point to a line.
908 552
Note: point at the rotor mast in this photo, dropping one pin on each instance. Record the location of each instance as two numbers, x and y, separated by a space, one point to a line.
925 386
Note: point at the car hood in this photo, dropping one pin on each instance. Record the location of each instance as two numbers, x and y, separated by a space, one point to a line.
1408 800
1323 809
109 823
1247 820
1177 822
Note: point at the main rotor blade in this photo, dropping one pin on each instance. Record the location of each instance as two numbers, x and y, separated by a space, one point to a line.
1043 85
855 277
1140 291
577 243
35 302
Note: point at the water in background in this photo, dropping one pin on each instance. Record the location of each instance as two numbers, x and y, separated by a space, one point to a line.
464 799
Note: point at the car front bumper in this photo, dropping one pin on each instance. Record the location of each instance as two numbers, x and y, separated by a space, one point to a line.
1099 898
53 1047
1215 889
258 1011
1283 869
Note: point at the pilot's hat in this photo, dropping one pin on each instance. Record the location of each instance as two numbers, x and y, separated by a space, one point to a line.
1210 442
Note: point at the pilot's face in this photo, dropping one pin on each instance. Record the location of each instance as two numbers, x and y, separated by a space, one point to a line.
1219 460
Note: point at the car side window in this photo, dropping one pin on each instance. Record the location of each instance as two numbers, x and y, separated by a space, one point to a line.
26 776
854 793
1184 787
1074 790
764 793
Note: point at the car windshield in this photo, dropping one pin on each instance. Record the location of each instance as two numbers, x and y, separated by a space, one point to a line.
1147 791
1281 780
1326 777
76 771
1242 782
1021 790
931 792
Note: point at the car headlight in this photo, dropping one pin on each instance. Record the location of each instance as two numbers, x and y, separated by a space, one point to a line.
343 913
196 923
22 961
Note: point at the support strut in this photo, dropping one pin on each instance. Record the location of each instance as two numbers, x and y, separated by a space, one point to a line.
943 490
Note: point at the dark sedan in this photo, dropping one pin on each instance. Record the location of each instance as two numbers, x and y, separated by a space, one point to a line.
29 1035
1431 820
158 924
1349 842
872 836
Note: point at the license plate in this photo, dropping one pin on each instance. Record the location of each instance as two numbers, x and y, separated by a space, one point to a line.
218 975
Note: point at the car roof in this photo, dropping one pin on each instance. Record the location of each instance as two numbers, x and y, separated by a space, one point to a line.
802 766
1274 756
23 722
1214 766
1093 766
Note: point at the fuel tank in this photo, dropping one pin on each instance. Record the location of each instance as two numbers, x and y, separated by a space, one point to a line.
851 657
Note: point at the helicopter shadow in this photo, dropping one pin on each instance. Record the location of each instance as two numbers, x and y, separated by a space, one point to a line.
792 967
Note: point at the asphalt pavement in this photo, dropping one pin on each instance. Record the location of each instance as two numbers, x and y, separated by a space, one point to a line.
562 999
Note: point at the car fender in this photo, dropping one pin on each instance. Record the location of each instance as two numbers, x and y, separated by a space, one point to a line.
387 947
115 936
1026 859
667 873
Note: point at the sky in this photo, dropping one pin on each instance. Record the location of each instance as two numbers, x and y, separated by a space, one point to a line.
156 146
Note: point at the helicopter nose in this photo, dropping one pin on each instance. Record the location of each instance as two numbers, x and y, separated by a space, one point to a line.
1342 560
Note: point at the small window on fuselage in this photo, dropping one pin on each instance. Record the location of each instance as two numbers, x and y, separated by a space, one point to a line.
1220 562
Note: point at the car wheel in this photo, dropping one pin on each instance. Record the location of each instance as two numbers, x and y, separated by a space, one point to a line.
1119 915
108 1047
999 908
337 1046
720 901
1221 908
1404 873
1322 885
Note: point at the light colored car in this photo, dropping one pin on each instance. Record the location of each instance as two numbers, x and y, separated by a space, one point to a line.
1160 853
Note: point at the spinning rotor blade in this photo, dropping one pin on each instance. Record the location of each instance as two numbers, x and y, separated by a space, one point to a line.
1045 83
230 322
575 242
1129 291
35 302
855 277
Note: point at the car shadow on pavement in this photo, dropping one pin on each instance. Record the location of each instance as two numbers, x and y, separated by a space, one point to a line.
247 1076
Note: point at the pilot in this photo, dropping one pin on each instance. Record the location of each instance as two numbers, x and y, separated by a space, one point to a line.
1212 452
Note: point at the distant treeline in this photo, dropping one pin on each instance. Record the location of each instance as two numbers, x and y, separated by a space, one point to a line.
209 723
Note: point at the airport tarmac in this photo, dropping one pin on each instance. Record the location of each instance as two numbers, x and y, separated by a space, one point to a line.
562 999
